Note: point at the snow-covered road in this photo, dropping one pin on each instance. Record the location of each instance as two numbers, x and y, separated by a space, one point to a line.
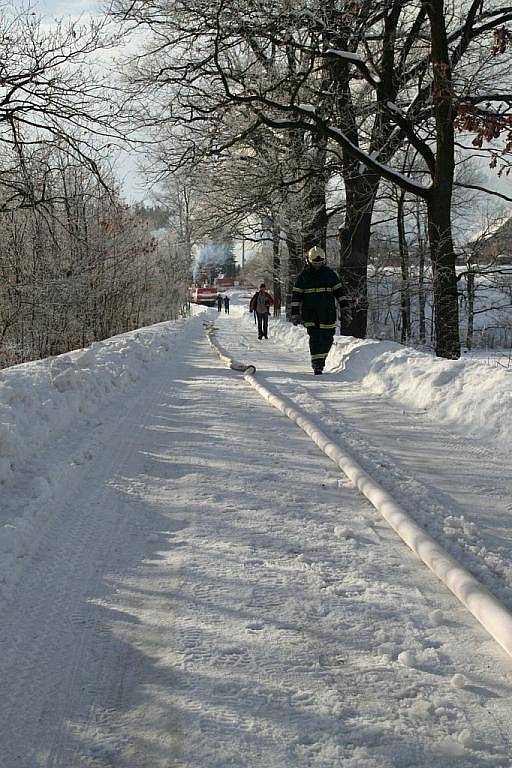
210 592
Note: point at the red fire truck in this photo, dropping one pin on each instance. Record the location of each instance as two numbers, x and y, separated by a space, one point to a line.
207 296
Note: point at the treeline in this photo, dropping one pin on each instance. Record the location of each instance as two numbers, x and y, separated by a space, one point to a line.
77 263
83 265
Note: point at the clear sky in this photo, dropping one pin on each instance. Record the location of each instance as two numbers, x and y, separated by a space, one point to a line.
58 8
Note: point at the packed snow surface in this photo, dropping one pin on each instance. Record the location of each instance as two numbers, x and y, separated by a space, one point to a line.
187 581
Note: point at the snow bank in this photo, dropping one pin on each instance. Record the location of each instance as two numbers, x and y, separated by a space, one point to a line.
470 396
40 401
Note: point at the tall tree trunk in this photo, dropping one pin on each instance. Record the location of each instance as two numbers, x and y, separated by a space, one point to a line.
360 192
361 186
295 265
446 306
470 280
315 220
405 294
439 204
422 299
276 263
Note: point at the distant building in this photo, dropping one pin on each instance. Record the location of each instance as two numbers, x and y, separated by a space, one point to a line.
497 245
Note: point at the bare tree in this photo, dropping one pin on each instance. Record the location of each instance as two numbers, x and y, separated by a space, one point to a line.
82 266
361 79
55 89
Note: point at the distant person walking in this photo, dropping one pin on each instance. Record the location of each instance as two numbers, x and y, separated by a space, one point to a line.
260 304
314 297
219 303
226 305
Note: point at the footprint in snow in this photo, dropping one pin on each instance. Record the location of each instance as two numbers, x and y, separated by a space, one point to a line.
255 626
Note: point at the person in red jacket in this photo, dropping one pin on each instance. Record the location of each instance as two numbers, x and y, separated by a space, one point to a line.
261 303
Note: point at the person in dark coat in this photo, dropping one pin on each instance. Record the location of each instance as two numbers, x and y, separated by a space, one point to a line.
226 305
261 303
219 302
314 297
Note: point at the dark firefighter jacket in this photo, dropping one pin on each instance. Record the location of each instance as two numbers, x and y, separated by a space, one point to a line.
314 297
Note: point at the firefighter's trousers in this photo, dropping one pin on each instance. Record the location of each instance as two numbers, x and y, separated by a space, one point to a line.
320 342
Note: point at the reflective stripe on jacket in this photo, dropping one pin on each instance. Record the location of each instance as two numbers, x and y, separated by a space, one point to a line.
314 297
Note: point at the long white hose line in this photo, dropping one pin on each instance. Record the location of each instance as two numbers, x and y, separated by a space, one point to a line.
486 608
229 361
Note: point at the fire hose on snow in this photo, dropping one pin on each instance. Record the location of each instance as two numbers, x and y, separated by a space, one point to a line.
223 355
484 606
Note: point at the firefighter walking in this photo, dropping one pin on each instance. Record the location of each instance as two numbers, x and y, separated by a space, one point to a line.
314 297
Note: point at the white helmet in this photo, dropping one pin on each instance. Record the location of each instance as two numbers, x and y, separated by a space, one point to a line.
316 255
